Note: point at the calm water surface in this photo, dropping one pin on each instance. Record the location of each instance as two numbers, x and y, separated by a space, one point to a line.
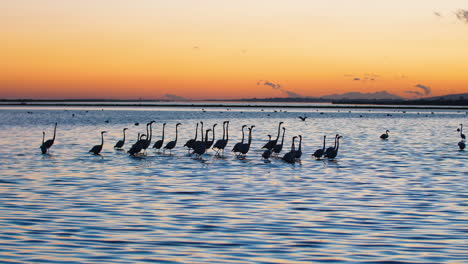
403 200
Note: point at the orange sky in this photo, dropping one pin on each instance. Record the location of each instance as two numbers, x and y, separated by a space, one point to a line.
221 49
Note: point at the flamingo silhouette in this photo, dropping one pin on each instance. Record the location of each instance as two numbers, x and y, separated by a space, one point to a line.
97 148
121 142
290 157
319 152
272 143
50 142
334 153
158 144
236 147
170 145
385 136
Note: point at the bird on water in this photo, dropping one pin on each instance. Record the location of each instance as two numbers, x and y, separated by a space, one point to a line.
97 148
385 136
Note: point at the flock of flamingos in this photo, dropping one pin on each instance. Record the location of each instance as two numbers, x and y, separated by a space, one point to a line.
199 145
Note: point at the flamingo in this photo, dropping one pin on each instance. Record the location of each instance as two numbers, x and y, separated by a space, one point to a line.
278 147
138 145
461 132
298 152
331 149
209 143
236 147
42 147
121 143
319 152
244 148
385 136
190 143
334 153
97 148
199 147
50 142
220 142
271 143
170 145
290 157
461 144
147 142
158 144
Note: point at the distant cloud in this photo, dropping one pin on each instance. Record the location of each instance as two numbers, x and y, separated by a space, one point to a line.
272 85
195 47
277 86
174 97
437 14
415 93
364 78
427 90
462 15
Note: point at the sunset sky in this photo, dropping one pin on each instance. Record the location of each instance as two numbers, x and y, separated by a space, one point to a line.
208 49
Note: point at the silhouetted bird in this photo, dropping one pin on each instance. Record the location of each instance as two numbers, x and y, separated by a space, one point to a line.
334 153
158 144
303 118
173 143
384 136
121 143
97 149
43 147
50 142
319 152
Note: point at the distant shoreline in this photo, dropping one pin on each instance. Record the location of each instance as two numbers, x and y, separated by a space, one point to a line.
228 104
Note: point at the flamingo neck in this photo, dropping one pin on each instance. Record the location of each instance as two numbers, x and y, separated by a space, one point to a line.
300 143
324 143
124 135
164 126
55 130
176 132
250 136
102 139
227 131
196 133
282 139
242 141
279 132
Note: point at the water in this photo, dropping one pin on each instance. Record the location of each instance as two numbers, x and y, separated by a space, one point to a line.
397 201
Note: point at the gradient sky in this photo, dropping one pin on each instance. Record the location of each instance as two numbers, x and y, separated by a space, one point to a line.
203 49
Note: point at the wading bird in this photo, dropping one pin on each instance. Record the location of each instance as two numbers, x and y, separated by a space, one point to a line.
209 143
244 148
278 147
190 143
42 147
120 143
319 152
290 157
50 142
298 152
170 145
272 143
199 147
97 149
236 147
221 143
384 136
158 144
334 153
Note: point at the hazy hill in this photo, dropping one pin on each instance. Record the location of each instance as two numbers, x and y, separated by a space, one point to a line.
383 95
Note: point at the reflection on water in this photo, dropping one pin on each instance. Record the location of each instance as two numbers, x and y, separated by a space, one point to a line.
402 200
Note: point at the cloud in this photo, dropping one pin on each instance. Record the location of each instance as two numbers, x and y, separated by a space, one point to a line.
174 97
427 90
364 77
417 93
277 86
437 14
356 79
272 85
462 15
